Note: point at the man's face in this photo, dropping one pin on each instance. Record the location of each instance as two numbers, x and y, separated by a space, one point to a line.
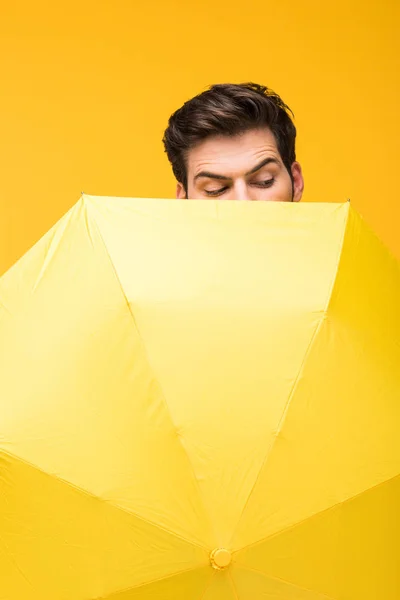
243 167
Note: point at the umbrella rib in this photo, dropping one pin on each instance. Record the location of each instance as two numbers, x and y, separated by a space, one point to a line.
54 244
282 419
294 585
114 505
208 586
14 561
230 579
317 514
156 525
294 386
150 365
112 595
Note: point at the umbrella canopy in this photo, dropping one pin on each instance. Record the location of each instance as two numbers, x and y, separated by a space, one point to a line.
201 401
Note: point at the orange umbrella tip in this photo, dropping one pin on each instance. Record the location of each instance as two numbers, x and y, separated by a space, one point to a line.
220 558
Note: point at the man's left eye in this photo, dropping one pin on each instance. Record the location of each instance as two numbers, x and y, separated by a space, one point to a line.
264 184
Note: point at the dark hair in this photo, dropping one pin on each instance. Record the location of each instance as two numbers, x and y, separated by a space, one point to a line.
228 109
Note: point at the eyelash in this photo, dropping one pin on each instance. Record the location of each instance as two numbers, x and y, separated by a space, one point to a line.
261 184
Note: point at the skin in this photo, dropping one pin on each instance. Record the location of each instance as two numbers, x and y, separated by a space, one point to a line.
242 167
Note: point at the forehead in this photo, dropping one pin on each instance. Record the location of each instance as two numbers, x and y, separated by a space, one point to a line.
230 155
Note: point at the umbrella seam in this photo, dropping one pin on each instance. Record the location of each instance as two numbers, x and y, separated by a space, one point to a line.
158 580
114 505
280 580
317 514
229 574
163 396
55 243
208 586
281 421
339 259
294 386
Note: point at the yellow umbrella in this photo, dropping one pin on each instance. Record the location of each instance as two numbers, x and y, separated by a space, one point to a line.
201 401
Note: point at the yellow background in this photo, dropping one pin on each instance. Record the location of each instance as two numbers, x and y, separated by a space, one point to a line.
87 88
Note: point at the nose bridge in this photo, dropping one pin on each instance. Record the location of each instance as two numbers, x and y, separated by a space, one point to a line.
240 190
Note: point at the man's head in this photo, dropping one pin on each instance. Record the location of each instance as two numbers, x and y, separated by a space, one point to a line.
234 142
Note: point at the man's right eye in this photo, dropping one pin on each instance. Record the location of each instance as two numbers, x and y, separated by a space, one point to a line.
216 192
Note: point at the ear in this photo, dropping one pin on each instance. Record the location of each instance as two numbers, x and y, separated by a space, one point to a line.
180 191
298 181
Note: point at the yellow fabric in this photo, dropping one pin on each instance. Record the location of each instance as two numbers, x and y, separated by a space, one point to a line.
182 376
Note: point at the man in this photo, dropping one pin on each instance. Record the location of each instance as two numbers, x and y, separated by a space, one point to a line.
234 142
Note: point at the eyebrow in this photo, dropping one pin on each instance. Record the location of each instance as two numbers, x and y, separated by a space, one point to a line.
260 165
